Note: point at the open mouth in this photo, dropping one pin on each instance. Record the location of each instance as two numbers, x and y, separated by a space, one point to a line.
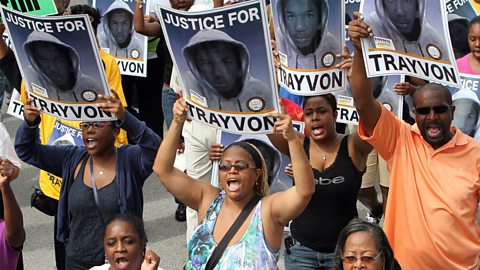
317 130
433 131
233 185
90 143
121 262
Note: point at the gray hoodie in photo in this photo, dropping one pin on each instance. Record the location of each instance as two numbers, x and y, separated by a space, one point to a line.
37 76
329 44
382 26
135 49
252 88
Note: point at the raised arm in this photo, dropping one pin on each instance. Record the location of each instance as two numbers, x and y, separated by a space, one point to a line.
50 158
8 63
290 203
186 189
146 141
14 231
367 107
145 25
3 45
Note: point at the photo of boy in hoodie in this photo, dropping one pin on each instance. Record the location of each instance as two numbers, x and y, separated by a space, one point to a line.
302 34
219 74
117 35
405 23
467 112
54 70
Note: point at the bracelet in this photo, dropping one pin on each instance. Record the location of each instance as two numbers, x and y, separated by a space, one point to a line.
140 3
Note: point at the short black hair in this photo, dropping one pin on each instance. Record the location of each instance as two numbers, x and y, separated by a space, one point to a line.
133 220
317 3
93 13
473 21
330 98
437 87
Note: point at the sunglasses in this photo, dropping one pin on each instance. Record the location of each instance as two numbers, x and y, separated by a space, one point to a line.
86 125
436 109
238 167
364 259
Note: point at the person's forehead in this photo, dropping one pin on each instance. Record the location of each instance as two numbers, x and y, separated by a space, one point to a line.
474 28
300 5
316 101
430 95
122 227
236 152
44 48
360 238
213 49
402 2
120 13
466 103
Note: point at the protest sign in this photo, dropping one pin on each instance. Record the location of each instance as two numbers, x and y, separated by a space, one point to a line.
275 161
467 105
33 7
15 107
309 35
225 65
117 36
350 7
462 8
60 64
410 38
382 91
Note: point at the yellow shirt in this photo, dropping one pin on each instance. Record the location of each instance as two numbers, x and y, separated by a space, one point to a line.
431 214
55 131
475 6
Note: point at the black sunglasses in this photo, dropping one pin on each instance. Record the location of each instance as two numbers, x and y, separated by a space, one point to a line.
238 167
436 109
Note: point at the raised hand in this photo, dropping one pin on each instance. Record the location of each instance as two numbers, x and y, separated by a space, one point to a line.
30 112
358 29
215 151
283 124
7 169
150 260
180 109
347 59
404 88
289 170
112 104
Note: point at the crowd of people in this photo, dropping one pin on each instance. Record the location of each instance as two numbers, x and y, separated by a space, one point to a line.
431 157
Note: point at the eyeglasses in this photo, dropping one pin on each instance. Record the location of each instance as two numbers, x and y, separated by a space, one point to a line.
86 125
238 167
436 109
366 259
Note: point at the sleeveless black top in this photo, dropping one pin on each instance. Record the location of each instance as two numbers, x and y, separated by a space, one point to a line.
84 248
333 204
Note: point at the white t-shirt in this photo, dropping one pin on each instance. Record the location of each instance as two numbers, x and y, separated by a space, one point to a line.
6 147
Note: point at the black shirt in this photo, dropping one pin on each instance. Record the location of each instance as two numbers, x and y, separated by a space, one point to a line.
333 204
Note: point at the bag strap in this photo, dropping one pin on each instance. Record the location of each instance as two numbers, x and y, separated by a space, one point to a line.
218 252
95 195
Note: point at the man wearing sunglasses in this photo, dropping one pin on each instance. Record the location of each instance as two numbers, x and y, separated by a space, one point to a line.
434 173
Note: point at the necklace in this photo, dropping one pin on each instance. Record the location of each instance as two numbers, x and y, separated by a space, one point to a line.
334 141
101 170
